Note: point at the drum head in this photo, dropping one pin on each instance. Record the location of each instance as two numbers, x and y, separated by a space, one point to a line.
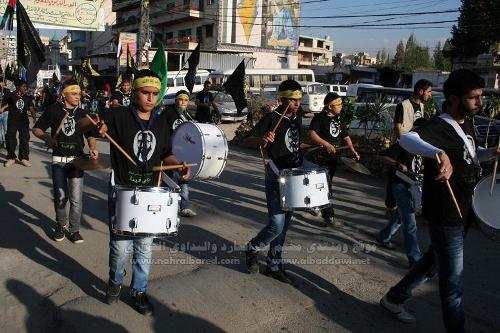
86 163
485 205
187 145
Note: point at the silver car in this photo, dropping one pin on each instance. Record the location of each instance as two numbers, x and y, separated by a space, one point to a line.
225 105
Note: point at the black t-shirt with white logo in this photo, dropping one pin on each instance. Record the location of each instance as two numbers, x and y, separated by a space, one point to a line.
147 147
285 150
122 98
398 116
437 204
18 107
69 139
331 129
175 117
414 163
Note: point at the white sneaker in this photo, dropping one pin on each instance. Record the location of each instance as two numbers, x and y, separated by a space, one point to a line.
26 163
398 311
186 212
9 163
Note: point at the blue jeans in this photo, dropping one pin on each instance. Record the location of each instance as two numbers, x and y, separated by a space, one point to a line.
119 249
446 256
67 182
4 116
405 215
184 186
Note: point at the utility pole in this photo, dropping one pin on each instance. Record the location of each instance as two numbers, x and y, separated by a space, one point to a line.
144 31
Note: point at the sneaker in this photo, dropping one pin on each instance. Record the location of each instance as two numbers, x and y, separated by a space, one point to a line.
316 212
332 222
25 163
113 293
75 237
397 310
387 245
141 303
252 261
9 163
279 275
186 212
59 233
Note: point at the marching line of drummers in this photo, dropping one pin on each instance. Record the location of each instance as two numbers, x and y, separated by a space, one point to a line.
155 154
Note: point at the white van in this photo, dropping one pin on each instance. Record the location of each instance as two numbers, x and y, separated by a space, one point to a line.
175 82
314 94
339 89
352 89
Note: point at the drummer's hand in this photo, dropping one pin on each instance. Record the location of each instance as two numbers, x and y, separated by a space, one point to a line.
331 149
94 154
185 171
101 126
445 169
50 142
357 157
269 137
403 168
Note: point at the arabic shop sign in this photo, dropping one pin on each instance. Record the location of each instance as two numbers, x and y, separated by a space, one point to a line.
64 14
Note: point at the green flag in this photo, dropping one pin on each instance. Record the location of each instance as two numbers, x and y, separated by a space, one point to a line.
159 66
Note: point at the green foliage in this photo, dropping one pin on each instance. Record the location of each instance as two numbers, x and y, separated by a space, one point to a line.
429 108
374 116
348 112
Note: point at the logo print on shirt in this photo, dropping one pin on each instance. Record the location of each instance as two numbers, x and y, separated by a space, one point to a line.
418 114
150 144
69 126
177 122
20 104
292 140
126 101
467 156
416 168
334 128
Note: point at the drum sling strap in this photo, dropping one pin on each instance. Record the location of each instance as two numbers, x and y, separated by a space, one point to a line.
181 115
143 149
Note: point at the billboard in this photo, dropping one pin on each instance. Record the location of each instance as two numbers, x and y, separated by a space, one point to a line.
282 22
242 22
130 39
64 14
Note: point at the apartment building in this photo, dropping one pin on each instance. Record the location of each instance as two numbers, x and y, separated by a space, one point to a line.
315 51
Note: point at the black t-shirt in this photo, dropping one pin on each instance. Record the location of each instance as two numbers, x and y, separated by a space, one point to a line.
121 97
4 94
412 162
203 112
331 129
18 107
398 116
124 128
175 117
285 150
437 205
69 139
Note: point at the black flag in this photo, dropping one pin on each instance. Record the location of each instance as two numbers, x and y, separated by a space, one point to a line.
30 50
193 61
235 86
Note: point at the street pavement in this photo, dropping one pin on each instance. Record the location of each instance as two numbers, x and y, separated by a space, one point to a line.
198 281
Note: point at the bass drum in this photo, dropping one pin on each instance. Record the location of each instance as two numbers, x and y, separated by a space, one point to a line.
204 144
486 206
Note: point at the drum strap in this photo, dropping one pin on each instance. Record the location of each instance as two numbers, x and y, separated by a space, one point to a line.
446 117
180 114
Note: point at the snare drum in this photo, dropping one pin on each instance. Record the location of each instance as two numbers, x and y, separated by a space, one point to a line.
486 207
146 211
204 144
303 188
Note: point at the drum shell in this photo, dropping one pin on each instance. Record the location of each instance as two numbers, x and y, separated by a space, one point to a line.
486 207
146 211
204 144
304 189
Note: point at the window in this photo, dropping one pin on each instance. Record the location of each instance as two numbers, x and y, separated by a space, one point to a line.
320 43
170 82
179 82
184 33
199 33
169 35
210 2
209 30
186 2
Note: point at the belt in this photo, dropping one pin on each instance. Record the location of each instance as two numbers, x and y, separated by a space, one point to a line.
62 159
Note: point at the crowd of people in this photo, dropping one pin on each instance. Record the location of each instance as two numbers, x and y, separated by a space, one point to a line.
425 155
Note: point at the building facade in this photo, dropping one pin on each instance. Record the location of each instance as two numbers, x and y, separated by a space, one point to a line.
8 49
315 51
265 30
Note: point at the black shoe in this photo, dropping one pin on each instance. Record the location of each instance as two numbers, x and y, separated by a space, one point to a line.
141 304
113 293
59 233
252 261
282 269
75 237
387 245
279 275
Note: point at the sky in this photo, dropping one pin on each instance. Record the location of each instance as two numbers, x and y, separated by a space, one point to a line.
371 40
349 40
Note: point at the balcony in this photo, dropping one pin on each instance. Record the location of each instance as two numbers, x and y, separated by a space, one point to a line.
183 43
119 5
177 14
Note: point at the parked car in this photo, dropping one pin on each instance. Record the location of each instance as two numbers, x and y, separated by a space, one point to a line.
339 89
225 105
352 89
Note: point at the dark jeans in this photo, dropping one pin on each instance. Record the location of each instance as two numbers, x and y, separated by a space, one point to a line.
445 255
332 167
184 186
13 127
67 183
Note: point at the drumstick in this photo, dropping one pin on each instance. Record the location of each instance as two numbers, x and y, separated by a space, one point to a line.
159 175
263 158
495 165
313 148
66 114
171 167
451 191
113 142
278 123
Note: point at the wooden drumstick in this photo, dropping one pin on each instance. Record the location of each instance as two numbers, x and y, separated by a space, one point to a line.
159 175
171 167
66 114
124 153
278 123
495 165
450 190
